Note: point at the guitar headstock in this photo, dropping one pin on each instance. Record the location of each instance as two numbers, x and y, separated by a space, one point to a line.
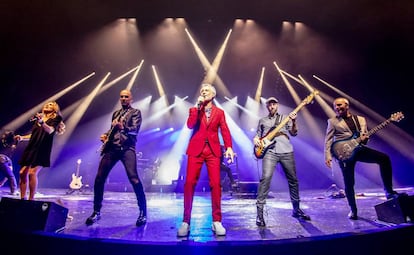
309 98
397 116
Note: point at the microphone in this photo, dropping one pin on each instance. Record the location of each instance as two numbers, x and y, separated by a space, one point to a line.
200 102
35 117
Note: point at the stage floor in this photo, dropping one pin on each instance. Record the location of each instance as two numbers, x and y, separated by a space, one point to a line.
119 213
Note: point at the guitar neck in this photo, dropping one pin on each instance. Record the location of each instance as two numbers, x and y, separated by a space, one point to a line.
78 167
379 127
376 128
274 132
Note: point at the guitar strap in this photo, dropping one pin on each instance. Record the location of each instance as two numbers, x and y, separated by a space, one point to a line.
120 113
356 121
353 124
278 119
358 127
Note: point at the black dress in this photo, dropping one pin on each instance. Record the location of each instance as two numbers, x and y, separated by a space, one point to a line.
39 147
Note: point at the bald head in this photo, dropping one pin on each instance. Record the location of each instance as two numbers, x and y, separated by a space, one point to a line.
125 92
341 106
125 97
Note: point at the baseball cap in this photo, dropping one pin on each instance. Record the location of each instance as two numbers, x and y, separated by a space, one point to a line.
272 99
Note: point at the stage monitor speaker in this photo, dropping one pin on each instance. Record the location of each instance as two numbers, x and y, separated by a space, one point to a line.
397 210
248 187
30 215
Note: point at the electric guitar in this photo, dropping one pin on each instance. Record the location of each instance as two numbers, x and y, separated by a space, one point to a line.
267 140
76 182
345 149
110 134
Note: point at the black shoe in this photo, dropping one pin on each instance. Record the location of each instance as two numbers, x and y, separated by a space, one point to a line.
93 218
260 221
300 215
352 215
142 219
394 194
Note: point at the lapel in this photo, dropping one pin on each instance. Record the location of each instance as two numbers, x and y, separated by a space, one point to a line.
117 114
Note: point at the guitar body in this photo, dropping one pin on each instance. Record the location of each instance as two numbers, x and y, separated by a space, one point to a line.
259 151
344 150
76 182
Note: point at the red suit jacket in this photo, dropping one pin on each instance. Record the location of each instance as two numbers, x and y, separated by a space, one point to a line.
207 131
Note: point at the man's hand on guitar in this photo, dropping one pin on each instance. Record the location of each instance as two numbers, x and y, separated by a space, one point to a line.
364 138
118 124
293 115
328 163
103 138
257 141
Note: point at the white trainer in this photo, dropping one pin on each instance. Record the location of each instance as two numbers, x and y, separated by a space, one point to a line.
218 228
184 230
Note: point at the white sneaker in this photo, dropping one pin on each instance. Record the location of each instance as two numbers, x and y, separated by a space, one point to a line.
218 228
14 194
184 230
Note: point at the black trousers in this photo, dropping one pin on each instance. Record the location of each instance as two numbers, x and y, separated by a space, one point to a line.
367 155
108 161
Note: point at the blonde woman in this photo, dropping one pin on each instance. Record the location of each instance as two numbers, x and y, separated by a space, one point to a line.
37 153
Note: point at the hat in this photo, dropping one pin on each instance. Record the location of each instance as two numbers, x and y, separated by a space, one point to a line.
272 99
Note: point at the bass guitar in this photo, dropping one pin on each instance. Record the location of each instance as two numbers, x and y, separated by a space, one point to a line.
345 149
267 140
76 182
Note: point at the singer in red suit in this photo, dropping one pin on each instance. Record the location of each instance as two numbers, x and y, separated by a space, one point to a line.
205 119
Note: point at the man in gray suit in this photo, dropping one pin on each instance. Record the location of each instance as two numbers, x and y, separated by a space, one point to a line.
346 125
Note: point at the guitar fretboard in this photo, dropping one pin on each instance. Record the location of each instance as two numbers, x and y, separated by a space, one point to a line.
379 127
